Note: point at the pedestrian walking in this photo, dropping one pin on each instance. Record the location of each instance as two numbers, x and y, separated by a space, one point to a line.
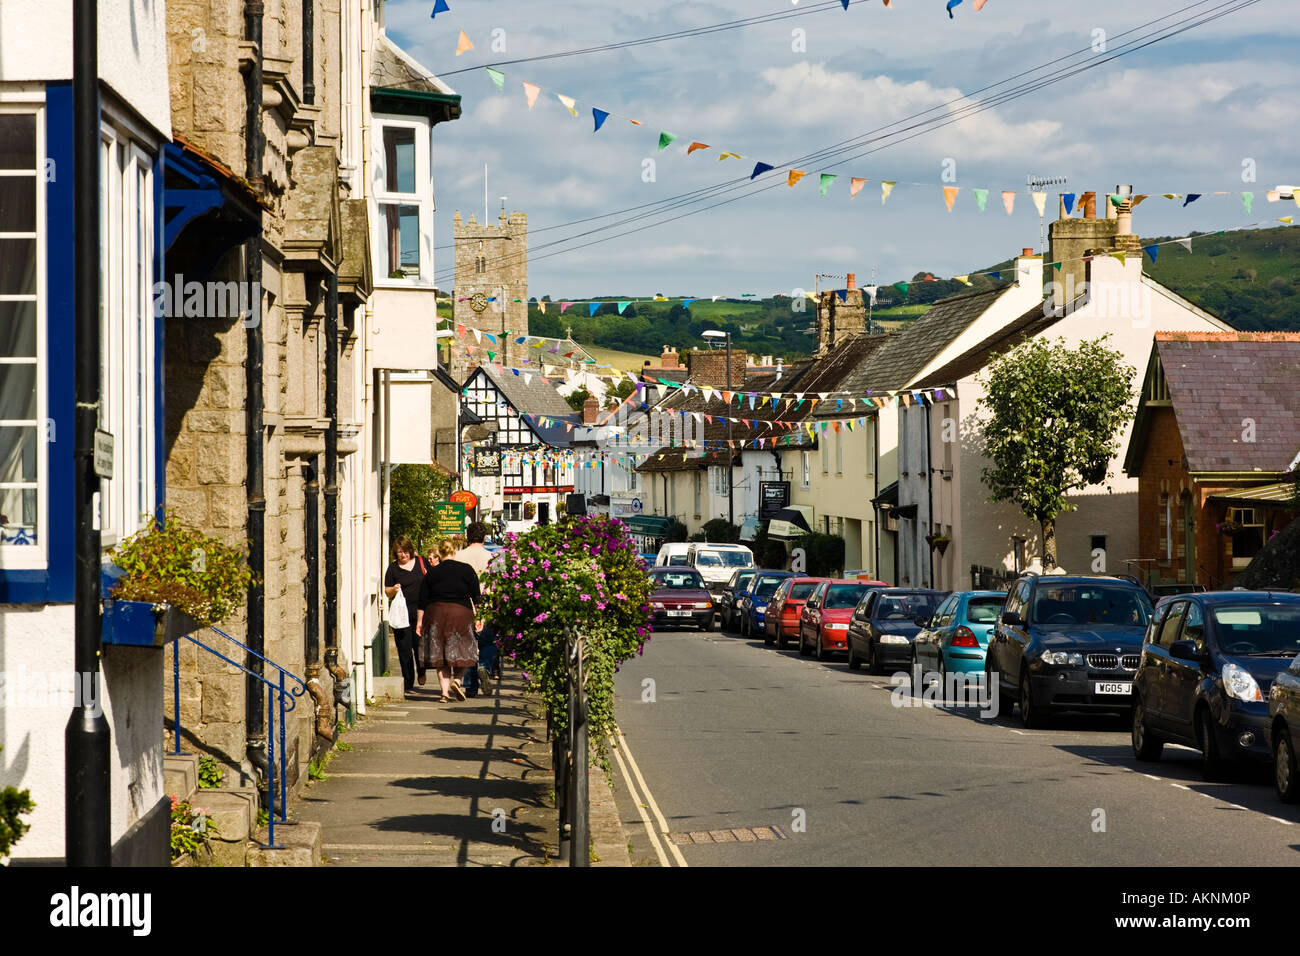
479 557
405 575
447 637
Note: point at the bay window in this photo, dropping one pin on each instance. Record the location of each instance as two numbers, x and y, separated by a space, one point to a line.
403 201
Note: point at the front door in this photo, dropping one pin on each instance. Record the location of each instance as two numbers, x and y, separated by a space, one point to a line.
543 512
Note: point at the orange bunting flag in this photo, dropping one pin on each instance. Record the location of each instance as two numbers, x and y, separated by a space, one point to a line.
531 90
1009 199
463 44
694 146
855 186
795 176
950 195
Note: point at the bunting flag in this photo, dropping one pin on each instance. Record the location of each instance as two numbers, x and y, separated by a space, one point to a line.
1185 243
951 4
1191 198
531 90
541 307
1137 200
463 44
1009 199
694 146
599 116
1151 250
1171 195
1116 200
826 180
1247 199
498 77
592 307
1119 256
665 139
855 186
964 280
759 169
563 306
1285 219
439 6
950 192
622 306
886 187
902 287
995 276
1040 202
981 197
723 156
1068 200
794 176
569 103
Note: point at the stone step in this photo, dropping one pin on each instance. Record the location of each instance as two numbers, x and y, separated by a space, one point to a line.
301 842
387 688
181 775
233 809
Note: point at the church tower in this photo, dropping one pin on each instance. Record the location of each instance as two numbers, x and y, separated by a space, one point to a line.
491 291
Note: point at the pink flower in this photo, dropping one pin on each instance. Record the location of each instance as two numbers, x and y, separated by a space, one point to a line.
518 611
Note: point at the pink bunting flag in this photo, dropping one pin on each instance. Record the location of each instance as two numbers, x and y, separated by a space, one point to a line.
1009 199
532 91
855 186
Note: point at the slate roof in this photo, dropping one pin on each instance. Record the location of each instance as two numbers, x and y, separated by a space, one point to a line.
1217 380
537 397
905 354
391 66
1026 326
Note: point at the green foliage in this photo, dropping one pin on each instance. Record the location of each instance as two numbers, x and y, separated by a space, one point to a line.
578 397
1277 564
825 553
622 390
173 563
344 746
676 532
1055 416
769 552
316 769
582 575
13 803
192 830
210 773
721 531
415 489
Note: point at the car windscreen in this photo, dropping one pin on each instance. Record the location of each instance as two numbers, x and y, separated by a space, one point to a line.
1090 604
840 596
905 607
766 587
984 610
676 560
1258 629
707 559
726 559
743 579
678 580
802 591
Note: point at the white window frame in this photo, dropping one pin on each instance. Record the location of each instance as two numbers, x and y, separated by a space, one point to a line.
824 441
719 476
839 450
698 487
34 556
807 467
422 198
128 403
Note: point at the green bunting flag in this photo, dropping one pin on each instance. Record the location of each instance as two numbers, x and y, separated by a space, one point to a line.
981 197
622 306
498 77
827 179
665 140
1247 199
902 287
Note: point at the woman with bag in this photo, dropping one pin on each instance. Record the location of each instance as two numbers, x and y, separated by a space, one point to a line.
447 638
402 586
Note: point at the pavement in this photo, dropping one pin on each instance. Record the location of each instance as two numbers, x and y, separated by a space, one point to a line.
742 755
450 784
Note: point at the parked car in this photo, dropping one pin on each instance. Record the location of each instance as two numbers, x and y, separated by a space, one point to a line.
678 596
726 604
883 624
716 562
781 620
957 637
752 603
672 555
824 620
1284 732
1208 665
1068 642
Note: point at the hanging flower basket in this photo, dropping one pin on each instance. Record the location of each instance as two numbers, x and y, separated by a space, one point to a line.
938 542
1228 527
530 510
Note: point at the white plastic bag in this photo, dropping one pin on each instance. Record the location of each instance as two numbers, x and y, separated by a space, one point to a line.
398 616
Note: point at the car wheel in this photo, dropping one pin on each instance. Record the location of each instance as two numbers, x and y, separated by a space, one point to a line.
1284 770
873 665
821 653
803 647
1213 765
767 636
707 625
943 678
854 662
781 641
1029 715
1146 746
746 629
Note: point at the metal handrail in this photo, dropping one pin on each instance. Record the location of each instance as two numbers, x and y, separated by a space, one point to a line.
274 691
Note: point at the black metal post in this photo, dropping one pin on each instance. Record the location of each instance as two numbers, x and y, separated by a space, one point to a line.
331 489
308 52
731 452
87 832
311 556
579 759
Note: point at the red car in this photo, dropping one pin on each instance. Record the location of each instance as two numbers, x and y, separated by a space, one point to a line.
824 621
781 621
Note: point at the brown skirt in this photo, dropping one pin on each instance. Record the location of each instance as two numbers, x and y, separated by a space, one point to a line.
448 639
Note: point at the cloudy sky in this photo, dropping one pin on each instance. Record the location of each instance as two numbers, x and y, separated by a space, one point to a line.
1181 115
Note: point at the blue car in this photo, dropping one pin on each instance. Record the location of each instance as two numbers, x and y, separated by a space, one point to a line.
751 604
957 637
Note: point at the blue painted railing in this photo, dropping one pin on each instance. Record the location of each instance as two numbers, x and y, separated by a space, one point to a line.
279 698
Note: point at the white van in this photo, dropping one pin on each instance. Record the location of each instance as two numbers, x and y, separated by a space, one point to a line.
717 562
672 554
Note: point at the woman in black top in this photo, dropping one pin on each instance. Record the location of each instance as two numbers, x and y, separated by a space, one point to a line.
447 638
407 572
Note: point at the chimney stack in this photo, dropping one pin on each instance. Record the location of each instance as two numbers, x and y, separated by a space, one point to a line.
590 409
669 358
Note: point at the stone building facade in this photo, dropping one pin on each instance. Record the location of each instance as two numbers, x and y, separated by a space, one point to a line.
491 264
839 319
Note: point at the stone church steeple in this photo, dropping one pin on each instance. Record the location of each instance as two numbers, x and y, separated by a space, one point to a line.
491 290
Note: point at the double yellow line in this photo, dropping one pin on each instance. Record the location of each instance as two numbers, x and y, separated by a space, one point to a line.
620 748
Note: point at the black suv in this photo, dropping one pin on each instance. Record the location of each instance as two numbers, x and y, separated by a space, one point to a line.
1208 665
1068 642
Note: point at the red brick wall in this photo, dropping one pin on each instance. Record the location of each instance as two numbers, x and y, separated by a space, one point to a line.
709 367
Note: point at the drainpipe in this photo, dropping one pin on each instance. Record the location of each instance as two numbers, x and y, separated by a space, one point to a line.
929 487
311 588
308 52
342 685
86 831
255 711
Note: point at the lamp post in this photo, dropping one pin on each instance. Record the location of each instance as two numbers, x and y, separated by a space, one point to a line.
713 334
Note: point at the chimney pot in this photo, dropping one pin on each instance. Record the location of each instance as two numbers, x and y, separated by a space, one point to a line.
852 282
1025 253
1089 205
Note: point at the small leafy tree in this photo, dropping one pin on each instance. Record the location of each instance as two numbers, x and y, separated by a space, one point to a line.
825 553
13 803
1055 418
578 397
415 490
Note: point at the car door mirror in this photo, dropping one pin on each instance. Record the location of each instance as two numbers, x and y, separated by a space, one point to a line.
921 620
1012 618
1185 651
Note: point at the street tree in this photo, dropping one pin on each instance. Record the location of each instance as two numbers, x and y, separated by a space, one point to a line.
415 491
1055 418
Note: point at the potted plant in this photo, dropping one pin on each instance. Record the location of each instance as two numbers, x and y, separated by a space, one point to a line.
938 542
530 510
1228 527
171 580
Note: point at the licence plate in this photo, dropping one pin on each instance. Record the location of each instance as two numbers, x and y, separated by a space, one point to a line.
679 613
1112 688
